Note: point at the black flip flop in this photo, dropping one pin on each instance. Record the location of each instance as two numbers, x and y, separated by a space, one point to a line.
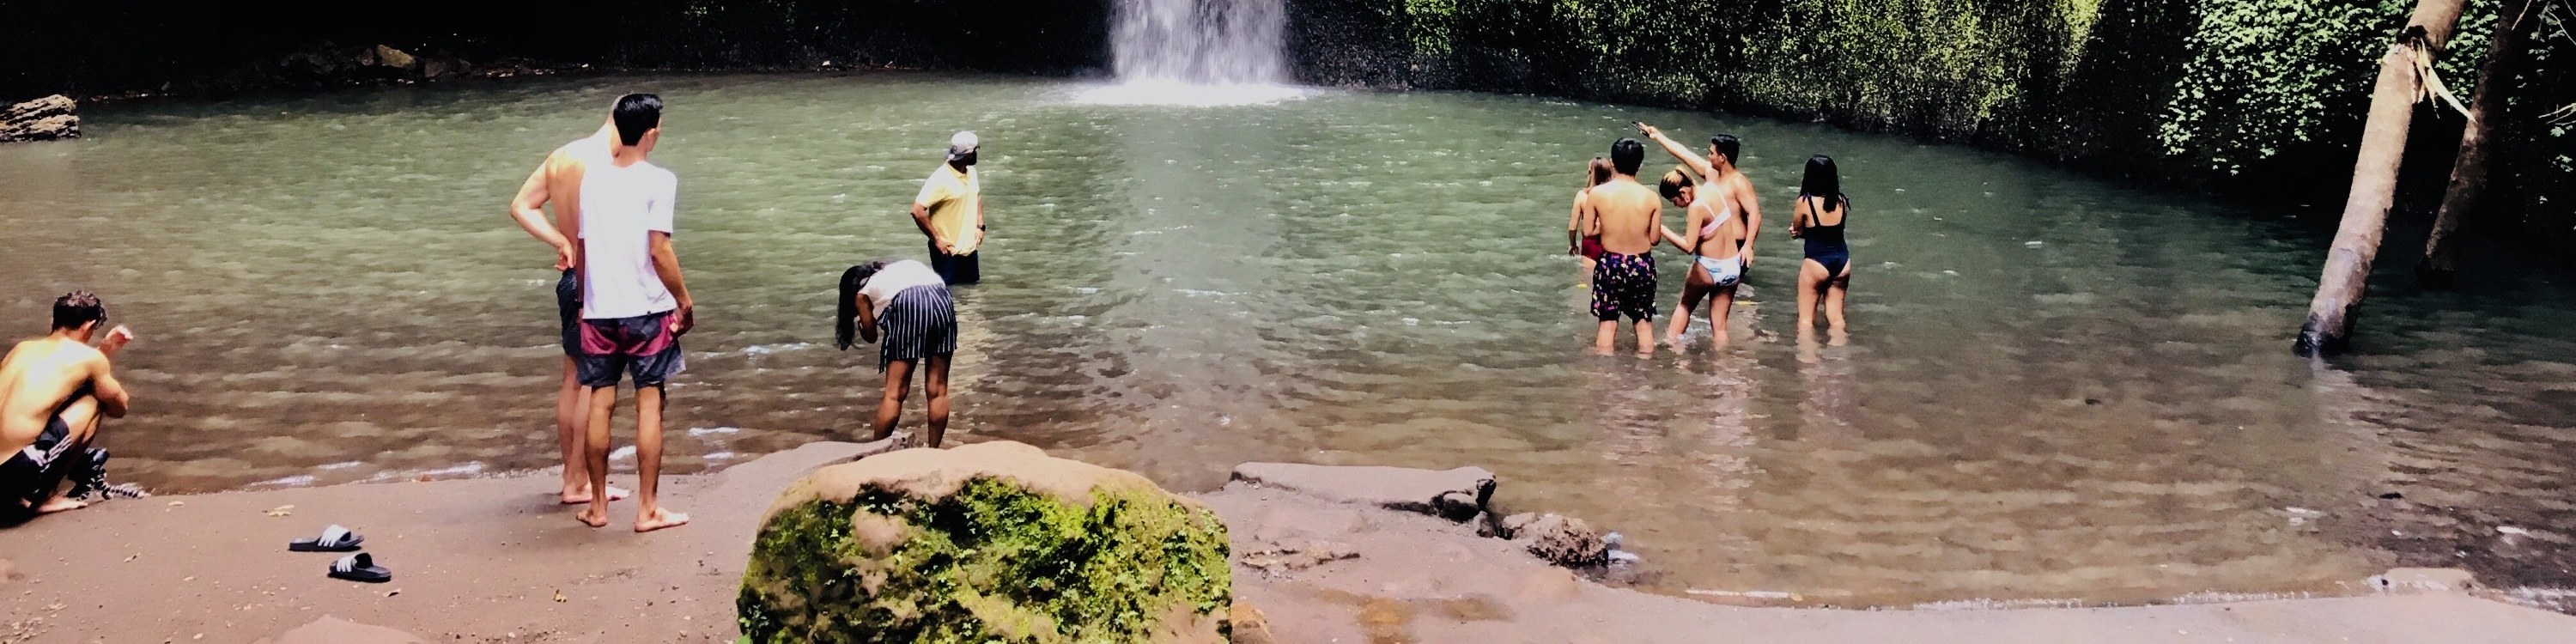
332 539
360 567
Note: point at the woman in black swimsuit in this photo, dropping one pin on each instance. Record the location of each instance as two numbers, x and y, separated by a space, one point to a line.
1826 273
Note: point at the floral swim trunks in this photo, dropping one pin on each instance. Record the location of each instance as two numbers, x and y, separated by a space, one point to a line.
1624 285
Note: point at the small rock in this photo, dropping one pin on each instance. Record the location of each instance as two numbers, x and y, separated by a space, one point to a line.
1565 541
391 57
1248 625
2416 580
1279 559
1506 527
44 119
1457 494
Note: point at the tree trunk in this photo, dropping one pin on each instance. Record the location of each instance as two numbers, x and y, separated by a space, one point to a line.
2505 52
2374 178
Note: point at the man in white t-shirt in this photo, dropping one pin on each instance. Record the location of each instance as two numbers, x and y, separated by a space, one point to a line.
633 305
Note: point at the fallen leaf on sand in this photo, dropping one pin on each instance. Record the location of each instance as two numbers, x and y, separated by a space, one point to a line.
131 557
279 511
394 592
559 598
178 503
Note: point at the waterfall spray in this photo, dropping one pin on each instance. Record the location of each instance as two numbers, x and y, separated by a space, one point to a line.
1198 52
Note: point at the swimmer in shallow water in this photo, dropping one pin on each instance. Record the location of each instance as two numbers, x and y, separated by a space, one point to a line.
1824 278
1711 235
1629 221
1578 243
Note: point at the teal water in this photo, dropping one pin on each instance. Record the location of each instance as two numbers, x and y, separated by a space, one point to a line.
2057 388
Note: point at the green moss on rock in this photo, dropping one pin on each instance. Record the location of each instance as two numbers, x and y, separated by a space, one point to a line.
988 559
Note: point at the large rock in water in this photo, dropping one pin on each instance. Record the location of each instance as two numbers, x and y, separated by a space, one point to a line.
43 119
982 543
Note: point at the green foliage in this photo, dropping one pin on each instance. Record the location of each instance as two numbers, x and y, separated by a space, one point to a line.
2266 77
991 563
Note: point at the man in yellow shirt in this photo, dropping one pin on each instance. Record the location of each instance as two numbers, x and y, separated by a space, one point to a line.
950 210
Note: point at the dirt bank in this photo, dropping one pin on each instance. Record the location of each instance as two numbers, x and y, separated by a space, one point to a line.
495 560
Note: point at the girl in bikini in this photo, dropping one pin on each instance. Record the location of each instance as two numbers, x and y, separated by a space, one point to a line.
1712 234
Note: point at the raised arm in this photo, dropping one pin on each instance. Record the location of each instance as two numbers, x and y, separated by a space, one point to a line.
528 208
1698 166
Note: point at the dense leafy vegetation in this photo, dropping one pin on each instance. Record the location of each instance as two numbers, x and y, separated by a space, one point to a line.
991 563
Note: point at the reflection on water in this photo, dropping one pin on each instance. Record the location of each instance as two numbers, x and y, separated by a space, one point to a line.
2056 388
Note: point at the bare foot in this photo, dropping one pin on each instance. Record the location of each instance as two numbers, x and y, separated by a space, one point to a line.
592 517
61 504
581 495
659 519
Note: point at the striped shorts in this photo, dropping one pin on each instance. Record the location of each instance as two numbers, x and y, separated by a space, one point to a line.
921 322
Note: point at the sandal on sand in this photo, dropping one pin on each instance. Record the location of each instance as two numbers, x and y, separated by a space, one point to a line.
360 567
333 539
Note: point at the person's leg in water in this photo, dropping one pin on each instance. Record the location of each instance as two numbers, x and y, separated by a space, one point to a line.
934 385
649 513
898 386
1811 277
82 417
1721 305
1835 289
1694 288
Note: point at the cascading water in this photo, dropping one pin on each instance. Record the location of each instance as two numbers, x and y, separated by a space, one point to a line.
1198 52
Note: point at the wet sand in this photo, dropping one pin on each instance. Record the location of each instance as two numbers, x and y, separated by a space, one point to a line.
497 560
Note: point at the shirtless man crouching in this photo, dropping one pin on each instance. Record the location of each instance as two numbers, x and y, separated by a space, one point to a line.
52 392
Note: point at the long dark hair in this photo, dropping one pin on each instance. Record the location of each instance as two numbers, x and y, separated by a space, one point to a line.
1823 181
845 324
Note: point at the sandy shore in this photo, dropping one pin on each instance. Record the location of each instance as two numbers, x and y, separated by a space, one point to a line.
496 560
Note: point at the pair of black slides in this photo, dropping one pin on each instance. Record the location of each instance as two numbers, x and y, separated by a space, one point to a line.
357 567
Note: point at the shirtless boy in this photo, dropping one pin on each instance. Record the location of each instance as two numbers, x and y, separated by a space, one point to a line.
557 181
1629 218
52 392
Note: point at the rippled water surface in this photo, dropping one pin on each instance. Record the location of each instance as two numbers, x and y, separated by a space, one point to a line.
2057 388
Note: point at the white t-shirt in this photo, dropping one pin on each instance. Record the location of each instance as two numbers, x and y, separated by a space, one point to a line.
894 278
620 209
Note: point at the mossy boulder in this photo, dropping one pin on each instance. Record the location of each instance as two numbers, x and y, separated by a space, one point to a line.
990 542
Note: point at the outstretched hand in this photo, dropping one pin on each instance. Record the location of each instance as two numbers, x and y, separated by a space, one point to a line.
116 340
1648 130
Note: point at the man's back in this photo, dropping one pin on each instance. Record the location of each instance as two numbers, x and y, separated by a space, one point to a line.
620 209
564 170
1631 215
35 379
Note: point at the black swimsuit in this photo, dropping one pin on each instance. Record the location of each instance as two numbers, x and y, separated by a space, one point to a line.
1825 243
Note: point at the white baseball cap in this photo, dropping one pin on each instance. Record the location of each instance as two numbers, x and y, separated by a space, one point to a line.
961 144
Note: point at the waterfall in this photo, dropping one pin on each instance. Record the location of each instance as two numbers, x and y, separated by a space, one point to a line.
1200 42
1198 52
